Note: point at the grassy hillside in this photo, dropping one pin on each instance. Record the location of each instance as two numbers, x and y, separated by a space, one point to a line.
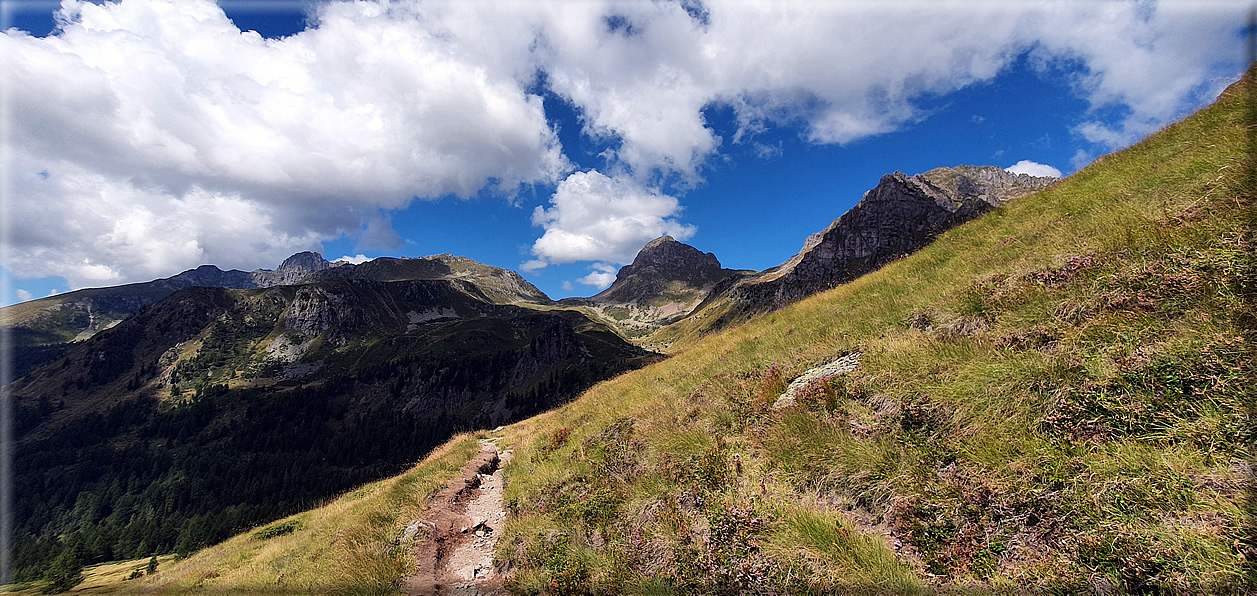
1057 396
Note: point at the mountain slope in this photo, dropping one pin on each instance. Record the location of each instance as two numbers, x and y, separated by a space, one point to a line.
225 408
899 216
45 328
497 285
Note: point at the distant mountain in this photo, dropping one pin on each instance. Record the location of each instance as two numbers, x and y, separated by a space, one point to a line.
42 329
664 283
224 408
497 285
901 215
291 271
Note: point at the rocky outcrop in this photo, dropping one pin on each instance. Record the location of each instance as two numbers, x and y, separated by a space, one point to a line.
312 311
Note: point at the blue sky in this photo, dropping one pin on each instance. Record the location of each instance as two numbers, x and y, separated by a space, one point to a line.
553 138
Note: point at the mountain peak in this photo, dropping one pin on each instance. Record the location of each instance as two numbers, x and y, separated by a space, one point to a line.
897 217
669 258
666 280
304 262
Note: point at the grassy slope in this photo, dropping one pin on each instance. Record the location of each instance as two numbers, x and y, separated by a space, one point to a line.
1057 395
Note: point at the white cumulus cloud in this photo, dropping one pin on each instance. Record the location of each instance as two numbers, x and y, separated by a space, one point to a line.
22 295
593 217
1026 166
354 260
602 276
147 114
108 231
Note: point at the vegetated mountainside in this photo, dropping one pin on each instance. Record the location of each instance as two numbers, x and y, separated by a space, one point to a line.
43 329
664 283
214 409
899 216
1056 396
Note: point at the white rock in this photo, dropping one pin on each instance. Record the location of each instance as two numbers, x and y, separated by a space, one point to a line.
843 364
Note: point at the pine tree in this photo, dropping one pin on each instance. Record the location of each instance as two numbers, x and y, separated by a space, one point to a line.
65 572
152 566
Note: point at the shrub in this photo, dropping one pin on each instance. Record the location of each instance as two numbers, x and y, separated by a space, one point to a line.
270 531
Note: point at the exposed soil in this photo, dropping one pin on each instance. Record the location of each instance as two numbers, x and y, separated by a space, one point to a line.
464 522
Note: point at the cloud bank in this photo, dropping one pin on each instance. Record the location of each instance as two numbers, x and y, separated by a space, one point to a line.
149 136
1026 166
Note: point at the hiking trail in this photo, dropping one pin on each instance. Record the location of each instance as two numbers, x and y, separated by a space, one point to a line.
464 522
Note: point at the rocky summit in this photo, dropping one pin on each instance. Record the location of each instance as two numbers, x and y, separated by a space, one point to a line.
664 266
292 270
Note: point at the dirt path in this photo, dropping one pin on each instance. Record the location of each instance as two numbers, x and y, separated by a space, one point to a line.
464 522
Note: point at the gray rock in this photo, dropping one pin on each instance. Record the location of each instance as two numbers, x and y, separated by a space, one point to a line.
666 281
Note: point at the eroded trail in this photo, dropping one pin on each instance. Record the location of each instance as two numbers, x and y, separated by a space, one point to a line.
464 522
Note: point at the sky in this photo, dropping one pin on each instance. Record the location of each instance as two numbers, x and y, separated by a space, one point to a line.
553 137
